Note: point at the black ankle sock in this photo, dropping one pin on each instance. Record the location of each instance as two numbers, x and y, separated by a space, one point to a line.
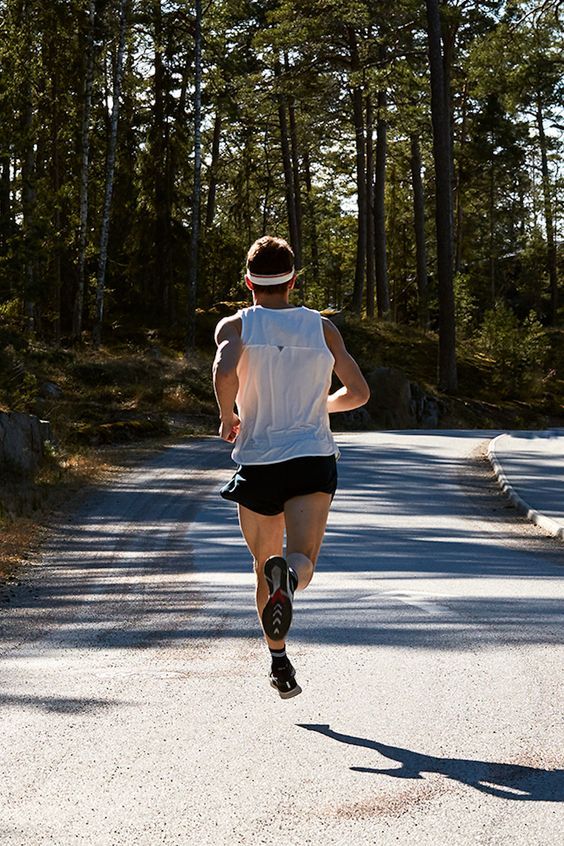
279 658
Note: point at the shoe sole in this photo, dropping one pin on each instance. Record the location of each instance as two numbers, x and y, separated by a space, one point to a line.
287 694
277 613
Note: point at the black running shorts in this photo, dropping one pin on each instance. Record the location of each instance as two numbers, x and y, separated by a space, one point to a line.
264 488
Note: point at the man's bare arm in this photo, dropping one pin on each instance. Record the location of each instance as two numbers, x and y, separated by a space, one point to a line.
355 391
225 379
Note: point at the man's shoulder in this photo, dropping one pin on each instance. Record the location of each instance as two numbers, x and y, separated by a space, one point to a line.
333 337
329 327
228 326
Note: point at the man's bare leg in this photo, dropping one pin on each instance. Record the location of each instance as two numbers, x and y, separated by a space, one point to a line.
264 537
306 519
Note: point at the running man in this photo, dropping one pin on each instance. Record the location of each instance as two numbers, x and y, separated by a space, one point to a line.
275 362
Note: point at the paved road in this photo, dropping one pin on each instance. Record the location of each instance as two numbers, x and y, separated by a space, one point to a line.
530 465
134 702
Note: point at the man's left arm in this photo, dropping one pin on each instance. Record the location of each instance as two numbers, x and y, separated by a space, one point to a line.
225 379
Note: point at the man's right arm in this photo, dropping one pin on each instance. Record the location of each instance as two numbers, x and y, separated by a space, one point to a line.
355 391
225 380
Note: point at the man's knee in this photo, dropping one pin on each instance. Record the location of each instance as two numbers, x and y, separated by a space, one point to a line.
308 551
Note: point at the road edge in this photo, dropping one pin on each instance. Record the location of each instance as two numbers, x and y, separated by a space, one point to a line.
538 518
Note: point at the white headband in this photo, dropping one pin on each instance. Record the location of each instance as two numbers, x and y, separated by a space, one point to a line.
271 278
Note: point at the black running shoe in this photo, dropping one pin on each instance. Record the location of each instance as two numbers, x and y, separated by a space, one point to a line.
277 614
283 679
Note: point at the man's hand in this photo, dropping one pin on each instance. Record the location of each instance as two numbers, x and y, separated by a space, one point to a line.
229 428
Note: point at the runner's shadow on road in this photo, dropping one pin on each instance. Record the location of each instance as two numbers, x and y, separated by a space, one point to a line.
505 781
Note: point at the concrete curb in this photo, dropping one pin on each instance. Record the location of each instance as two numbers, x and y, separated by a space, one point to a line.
547 523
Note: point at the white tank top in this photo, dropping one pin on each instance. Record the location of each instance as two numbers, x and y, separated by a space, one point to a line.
284 378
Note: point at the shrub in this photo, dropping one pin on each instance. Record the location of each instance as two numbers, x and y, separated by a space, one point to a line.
520 351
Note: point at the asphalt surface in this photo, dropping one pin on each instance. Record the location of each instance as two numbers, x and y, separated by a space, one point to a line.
134 698
530 468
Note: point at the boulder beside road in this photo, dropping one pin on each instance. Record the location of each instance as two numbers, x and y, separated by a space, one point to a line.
397 403
22 442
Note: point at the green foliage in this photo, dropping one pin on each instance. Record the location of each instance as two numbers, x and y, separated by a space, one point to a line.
10 311
531 274
465 304
21 391
520 351
257 55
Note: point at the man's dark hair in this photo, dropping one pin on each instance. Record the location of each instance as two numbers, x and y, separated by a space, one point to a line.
270 255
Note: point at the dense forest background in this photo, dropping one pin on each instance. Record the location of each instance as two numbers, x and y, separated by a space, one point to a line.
409 150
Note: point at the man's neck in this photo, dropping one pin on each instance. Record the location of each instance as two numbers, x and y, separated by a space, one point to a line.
275 301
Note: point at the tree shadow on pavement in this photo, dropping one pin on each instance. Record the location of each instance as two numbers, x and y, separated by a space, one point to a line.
505 781
57 704
159 558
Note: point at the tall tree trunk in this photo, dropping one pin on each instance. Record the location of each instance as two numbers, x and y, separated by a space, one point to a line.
212 188
491 223
523 211
5 188
5 206
84 167
370 232
419 227
312 218
533 170
269 180
160 155
194 241
167 301
183 97
548 217
380 245
459 212
56 185
294 149
360 145
110 172
28 167
361 199
28 213
248 168
394 245
288 172
296 178
449 31
447 372
405 269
